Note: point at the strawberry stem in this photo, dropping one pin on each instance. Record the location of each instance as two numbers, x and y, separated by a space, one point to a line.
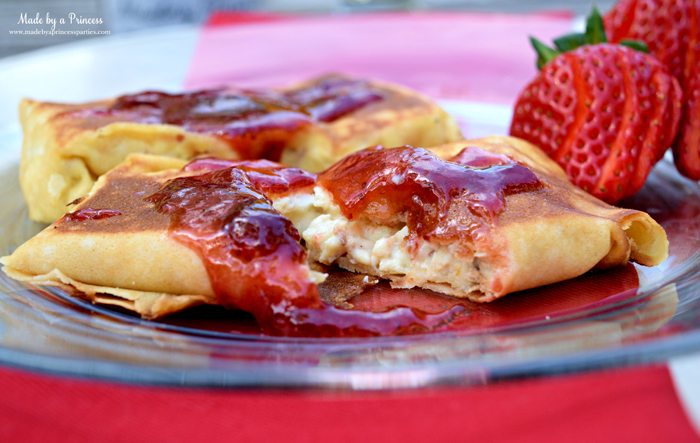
544 52
569 42
595 34
595 28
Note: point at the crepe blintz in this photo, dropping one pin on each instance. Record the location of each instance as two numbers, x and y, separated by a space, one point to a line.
156 240
66 147
476 219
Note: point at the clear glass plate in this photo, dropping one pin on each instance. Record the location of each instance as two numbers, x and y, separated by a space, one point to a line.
600 319
627 315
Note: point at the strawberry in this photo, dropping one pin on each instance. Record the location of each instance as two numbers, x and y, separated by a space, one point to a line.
606 113
671 28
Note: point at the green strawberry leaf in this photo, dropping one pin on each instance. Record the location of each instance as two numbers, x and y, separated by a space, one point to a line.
595 34
544 52
595 28
570 42
635 44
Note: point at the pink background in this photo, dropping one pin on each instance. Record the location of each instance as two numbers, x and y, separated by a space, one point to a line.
477 57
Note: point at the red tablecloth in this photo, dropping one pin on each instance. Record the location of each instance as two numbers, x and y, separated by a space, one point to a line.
634 405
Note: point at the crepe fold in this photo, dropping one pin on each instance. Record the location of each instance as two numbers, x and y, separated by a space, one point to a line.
548 234
634 235
545 235
117 248
67 147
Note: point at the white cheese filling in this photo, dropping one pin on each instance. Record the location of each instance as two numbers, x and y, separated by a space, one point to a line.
299 208
362 246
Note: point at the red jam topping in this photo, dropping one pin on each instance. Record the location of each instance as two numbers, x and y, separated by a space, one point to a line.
255 261
257 124
252 253
90 214
332 97
435 198
269 177
478 158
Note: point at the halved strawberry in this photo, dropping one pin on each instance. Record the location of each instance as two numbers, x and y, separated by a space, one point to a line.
606 113
671 29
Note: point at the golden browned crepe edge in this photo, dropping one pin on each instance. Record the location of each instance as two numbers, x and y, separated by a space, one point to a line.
53 173
182 275
546 236
517 148
61 157
149 305
644 240
402 100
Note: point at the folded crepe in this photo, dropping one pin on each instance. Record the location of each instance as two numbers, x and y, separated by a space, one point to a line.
497 218
309 125
475 219
155 239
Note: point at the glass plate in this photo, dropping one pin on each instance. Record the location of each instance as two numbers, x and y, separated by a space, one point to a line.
626 315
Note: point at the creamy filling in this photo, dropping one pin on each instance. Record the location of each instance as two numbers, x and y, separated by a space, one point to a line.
298 207
388 252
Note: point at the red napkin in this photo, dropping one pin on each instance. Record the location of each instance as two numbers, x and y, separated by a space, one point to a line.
630 405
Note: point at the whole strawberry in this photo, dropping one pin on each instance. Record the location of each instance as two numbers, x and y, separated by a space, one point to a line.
671 29
606 113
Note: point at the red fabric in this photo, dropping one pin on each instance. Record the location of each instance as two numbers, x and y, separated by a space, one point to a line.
225 18
429 52
637 405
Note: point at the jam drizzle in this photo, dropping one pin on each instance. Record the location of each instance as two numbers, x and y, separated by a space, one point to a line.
255 261
434 198
252 253
257 124
269 177
90 214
